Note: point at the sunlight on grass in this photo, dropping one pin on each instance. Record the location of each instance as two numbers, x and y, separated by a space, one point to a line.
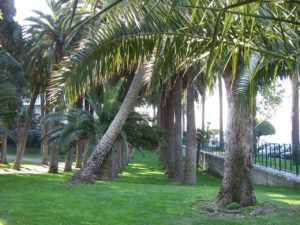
284 198
3 222
142 194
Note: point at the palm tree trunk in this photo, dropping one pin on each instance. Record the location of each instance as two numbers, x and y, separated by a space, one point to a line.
22 138
3 159
190 176
295 117
41 118
237 181
88 172
162 147
203 111
221 134
178 132
45 146
79 157
69 160
170 135
53 166
85 151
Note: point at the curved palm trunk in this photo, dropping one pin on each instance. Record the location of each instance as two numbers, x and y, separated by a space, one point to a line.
3 159
22 137
237 181
178 132
88 172
68 162
190 176
221 134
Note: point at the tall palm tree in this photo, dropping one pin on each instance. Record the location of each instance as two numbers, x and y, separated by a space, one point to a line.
50 36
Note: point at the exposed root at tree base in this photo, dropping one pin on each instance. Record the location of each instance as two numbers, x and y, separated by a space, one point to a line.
78 179
215 210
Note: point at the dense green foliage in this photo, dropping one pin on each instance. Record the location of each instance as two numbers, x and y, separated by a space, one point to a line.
264 128
141 195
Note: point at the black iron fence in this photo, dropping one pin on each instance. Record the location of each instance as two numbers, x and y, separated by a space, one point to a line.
283 157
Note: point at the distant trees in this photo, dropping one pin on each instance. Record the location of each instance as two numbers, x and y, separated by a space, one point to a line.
264 128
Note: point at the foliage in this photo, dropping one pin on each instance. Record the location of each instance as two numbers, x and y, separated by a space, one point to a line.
178 34
203 136
233 205
10 101
271 99
264 128
141 195
78 124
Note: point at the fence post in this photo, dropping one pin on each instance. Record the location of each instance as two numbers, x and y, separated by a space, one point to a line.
279 157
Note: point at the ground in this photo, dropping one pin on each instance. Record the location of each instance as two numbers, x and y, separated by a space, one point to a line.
141 195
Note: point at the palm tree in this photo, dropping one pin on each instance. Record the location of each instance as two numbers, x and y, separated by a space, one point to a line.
10 101
11 80
50 37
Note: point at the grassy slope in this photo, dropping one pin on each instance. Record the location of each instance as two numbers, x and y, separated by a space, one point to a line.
142 195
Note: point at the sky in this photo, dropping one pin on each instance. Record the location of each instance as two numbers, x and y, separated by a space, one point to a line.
24 9
281 118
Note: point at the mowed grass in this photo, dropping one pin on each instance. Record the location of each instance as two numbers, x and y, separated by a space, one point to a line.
141 195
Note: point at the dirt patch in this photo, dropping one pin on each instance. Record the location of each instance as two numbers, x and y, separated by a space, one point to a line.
266 209
214 210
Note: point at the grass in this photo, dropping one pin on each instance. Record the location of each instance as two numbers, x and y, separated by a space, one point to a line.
141 195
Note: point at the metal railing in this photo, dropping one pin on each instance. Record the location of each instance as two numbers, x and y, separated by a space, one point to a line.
282 157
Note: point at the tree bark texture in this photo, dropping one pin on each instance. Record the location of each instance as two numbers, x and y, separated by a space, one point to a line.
45 146
68 161
88 172
22 138
178 131
53 165
237 181
162 147
221 134
79 156
295 117
3 158
85 151
170 128
203 111
190 176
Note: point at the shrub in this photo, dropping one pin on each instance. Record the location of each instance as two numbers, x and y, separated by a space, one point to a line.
233 205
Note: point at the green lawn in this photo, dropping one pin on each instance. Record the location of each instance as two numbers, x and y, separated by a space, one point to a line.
141 195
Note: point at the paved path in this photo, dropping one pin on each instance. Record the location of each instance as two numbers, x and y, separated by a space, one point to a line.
25 159
30 169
